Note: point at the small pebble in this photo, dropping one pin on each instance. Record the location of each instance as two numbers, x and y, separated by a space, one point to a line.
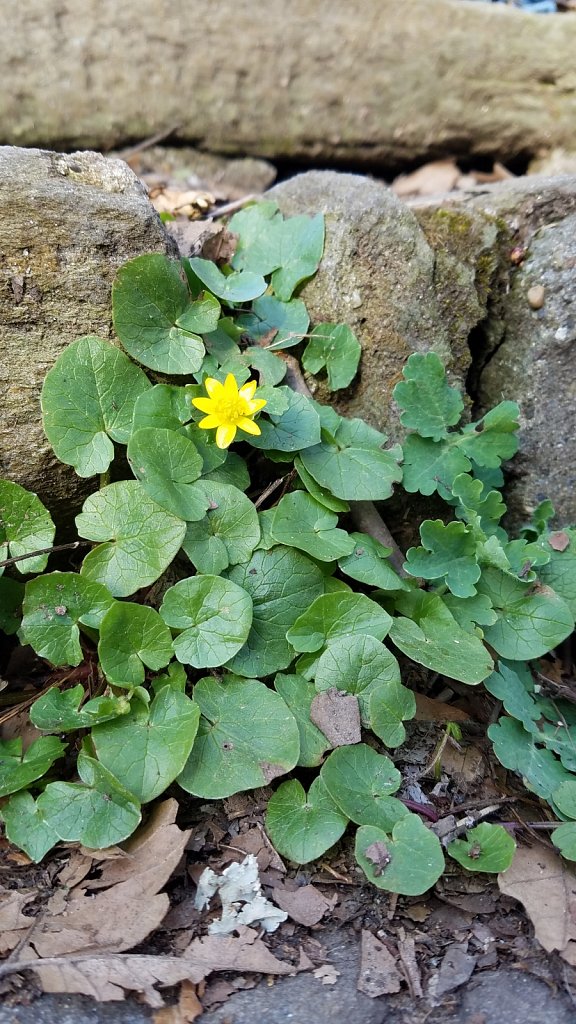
535 296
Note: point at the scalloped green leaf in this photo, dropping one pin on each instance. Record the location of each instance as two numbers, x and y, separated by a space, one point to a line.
59 710
352 465
282 582
301 522
97 812
247 737
19 769
336 615
298 693
26 827
138 537
290 321
87 400
515 749
228 533
361 782
167 464
25 526
409 860
240 286
494 438
428 633
212 618
302 826
429 405
512 683
55 606
291 431
532 619
133 638
336 348
148 748
149 296
476 504
486 848
432 465
448 553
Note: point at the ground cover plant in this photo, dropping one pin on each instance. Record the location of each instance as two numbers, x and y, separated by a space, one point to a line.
237 621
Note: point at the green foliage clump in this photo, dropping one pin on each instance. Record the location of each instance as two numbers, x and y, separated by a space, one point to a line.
214 676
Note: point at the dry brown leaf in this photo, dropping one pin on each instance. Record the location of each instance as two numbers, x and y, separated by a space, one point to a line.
245 952
559 541
186 1010
464 766
337 715
131 907
256 841
431 178
430 710
13 923
546 887
152 854
306 905
106 977
379 974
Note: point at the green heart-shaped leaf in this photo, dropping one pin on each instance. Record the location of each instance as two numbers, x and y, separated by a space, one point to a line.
149 296
282 583
335 615
18 770
25 526
228 533
149 747
532 619
133 638
54 607
236 287
335 347
59 710
298 694
140 538
26 826
408 861
302 826
290 320
87 400
352 463
167 464
301 522
212 617
247 737
362 782
485 848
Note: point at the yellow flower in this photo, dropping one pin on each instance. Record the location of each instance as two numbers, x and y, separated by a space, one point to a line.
229 409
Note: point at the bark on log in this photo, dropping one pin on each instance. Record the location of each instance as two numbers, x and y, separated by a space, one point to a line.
370 81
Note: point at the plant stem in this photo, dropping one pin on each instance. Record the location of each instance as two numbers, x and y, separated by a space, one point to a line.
45 551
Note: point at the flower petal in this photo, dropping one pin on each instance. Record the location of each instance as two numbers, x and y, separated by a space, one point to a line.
248 425
247 390
209 422
255 405
231 386
213 387
204 404
225 435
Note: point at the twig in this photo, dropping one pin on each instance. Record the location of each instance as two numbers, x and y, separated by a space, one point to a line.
366 517
127 154
270 490
236 204
45 551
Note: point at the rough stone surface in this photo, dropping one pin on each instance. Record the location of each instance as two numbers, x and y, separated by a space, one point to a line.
381 275
365 80
534 365
66 224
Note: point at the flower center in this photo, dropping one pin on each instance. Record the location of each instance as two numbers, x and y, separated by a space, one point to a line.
231 409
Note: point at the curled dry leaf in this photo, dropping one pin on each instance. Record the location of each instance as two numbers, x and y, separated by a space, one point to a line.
546 886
